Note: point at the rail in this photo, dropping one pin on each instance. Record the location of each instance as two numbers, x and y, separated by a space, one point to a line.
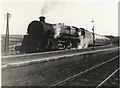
108 77
76 75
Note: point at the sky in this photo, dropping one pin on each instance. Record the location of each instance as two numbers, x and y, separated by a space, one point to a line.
79 13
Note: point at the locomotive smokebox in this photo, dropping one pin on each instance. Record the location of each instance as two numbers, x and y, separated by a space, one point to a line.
42 18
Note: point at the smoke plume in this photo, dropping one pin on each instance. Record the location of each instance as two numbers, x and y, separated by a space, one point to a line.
48 6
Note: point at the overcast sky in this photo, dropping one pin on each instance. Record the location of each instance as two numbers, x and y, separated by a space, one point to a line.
77 13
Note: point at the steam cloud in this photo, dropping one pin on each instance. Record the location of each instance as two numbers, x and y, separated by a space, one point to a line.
48 6
84 43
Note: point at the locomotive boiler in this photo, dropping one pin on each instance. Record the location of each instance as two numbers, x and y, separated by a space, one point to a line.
42 36
39 37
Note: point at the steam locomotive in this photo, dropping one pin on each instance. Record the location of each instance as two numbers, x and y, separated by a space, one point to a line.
42 36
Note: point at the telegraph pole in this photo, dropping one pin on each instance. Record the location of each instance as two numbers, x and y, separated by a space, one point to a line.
93 35
7 34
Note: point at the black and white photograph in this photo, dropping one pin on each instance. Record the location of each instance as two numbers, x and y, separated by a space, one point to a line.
60 43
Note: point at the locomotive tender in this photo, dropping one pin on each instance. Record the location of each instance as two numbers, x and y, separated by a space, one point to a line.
42 36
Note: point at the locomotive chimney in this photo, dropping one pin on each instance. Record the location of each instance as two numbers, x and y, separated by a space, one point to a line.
42 18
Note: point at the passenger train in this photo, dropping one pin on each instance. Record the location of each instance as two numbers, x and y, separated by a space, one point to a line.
42 36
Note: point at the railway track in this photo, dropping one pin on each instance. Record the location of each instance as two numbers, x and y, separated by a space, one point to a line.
95 76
